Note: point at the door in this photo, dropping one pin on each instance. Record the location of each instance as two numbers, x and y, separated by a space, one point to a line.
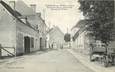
27 44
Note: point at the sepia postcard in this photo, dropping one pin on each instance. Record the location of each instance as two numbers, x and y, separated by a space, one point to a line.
57 36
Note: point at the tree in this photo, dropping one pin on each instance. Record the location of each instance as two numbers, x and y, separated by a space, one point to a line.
99 16
67 37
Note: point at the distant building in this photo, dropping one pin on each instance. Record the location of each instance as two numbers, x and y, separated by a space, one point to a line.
81 38
55 38
20 30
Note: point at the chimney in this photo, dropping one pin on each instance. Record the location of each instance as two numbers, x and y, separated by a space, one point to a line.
12 4
33 6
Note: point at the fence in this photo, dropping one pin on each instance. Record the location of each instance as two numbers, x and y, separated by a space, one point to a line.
7 51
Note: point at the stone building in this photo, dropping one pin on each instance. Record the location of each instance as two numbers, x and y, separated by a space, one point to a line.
20 28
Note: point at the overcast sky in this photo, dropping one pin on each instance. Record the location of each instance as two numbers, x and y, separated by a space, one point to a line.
62 18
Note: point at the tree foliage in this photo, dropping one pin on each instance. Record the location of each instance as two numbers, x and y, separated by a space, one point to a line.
67 37
99 15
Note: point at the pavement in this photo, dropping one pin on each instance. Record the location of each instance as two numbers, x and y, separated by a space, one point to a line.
51 61
95 66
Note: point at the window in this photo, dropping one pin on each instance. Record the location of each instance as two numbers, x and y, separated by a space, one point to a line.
32 42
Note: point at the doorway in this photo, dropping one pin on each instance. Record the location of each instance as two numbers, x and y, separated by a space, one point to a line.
27 44
41 47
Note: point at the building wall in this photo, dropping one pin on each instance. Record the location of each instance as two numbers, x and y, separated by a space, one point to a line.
82 42
23 31
13 32
7 30
38 23
42 30
79 42
56 38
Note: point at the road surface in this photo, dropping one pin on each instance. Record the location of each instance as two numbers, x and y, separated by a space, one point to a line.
52 61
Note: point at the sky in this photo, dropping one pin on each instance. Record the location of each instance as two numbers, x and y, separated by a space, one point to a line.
62 13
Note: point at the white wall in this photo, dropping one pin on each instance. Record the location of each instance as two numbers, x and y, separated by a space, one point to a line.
7 28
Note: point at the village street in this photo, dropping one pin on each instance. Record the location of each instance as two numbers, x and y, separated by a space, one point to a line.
51 61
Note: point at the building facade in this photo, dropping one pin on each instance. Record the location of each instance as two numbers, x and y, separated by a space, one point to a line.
81 42
81 38
55 38
20 28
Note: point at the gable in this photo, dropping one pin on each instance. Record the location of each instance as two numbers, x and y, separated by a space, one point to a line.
56 32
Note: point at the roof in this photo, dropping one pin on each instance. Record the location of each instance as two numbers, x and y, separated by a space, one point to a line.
55 28
59 29
82 23
50 30
82 27
15 13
